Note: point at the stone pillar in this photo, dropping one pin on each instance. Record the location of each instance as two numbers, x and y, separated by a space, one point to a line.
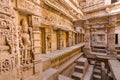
111 36
77 38
37 53
36 42
69 43
48 40
87 48
73 38
60 39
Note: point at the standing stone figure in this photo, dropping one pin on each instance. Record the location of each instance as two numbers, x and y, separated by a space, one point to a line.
25 43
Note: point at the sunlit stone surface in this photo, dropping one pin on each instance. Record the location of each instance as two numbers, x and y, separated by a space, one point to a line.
59 39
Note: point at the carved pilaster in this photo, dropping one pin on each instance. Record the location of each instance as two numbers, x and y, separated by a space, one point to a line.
60 39
73 38
48 40
35 34
111 36
69 43
87 38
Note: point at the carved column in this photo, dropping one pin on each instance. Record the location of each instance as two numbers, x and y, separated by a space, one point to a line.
60 39
76 38
35 34
111 36
69 39
73 38
37 52
48 40
87 48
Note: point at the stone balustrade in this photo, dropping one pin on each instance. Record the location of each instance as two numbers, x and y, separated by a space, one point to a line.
59 57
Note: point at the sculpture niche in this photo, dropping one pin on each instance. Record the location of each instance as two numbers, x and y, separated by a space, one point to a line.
25 45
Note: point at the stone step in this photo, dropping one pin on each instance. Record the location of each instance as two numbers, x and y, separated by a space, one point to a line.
62 77
81 61
92 62
77 76
97 64
97 71
97 77
99 50
79 69
89 73
97 67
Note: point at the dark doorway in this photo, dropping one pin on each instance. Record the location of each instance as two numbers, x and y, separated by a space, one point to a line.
116 38
113 1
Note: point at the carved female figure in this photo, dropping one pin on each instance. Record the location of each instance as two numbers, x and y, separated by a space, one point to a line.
25 43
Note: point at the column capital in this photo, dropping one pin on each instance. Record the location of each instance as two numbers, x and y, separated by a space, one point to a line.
111 25
112 21
86 22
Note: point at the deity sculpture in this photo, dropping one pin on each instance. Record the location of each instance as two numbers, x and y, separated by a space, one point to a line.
25 43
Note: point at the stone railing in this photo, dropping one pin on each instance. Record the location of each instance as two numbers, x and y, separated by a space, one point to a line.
59 57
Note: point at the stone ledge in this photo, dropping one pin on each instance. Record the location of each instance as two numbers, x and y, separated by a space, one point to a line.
62 77
115 67
60 52
47 58
89 73
50 74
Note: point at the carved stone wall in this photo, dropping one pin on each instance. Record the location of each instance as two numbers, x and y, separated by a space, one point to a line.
9 53
27 28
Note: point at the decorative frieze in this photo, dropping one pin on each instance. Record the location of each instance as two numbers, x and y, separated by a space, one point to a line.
49 18
55 5
6 7
91 5
28 7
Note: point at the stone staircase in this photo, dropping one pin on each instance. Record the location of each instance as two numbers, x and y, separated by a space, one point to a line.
99 49
97 72
80 69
